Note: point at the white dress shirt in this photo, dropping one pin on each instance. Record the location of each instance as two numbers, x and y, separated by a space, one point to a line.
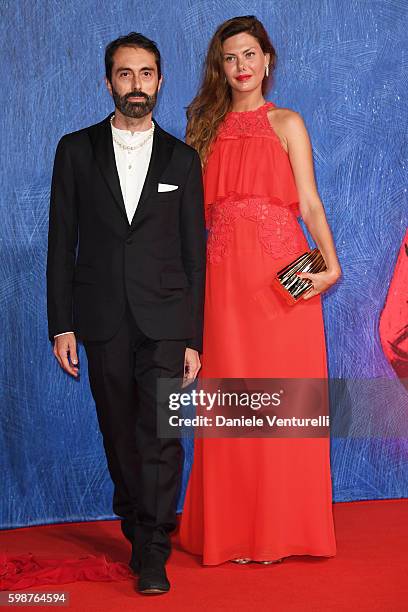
132 165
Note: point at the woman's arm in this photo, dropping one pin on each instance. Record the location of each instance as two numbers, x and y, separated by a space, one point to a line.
310 204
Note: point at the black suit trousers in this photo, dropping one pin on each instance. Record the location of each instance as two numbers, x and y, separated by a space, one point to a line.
146 470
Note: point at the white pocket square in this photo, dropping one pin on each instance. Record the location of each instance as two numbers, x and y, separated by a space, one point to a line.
165 187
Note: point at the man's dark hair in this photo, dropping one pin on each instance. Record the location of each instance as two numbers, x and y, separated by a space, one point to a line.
134 39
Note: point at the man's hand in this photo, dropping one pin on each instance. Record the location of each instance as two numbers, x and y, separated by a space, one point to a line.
65 350
192 366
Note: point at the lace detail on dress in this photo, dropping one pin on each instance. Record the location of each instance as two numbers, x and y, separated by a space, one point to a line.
247 124
278 231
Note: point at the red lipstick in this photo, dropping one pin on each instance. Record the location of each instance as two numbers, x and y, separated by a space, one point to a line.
243 77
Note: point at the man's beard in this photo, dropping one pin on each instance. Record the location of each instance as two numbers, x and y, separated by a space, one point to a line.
136 110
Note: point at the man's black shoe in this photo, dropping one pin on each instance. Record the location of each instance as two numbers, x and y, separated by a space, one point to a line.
153 578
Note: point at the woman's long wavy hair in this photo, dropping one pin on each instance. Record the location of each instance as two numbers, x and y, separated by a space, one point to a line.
213 101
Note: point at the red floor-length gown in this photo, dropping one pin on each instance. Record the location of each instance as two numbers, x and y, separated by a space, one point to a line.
260 498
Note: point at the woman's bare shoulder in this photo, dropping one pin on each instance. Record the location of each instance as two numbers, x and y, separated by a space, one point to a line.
288 125
283 121
283 116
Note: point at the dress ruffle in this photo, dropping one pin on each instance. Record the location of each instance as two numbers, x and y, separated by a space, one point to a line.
235 161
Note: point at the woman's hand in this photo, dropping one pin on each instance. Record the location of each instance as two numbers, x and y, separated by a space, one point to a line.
322 281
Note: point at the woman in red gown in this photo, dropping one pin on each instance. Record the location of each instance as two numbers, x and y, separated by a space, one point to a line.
257 499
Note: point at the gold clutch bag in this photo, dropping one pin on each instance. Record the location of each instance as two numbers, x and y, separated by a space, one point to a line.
290 286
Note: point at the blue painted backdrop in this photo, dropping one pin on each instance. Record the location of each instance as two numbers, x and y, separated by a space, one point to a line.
343 65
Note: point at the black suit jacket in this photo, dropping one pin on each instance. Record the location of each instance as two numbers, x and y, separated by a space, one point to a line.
96 260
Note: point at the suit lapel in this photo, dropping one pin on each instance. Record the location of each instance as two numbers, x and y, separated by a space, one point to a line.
161 153
101 138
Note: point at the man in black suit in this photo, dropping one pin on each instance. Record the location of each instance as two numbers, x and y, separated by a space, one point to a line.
126 275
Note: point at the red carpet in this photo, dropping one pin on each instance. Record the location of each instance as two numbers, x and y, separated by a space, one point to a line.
369 573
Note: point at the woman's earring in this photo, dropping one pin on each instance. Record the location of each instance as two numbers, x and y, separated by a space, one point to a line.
267 70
